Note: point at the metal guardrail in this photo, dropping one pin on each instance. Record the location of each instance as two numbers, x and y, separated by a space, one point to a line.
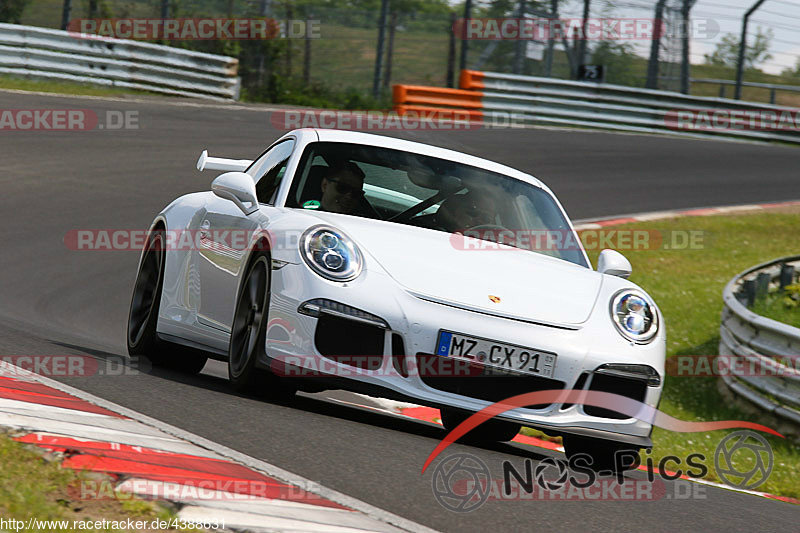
605 106
29 51
760 343
773 87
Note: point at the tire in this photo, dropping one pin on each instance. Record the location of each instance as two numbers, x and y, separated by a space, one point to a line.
486 433
143 314
248 335
602 452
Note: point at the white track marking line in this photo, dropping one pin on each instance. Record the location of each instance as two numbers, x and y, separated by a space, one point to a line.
253 522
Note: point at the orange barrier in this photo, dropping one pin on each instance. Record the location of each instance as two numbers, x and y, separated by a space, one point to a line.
471 79
436 96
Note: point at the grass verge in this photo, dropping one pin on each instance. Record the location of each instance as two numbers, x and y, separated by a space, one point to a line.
781 306
34 486
63 87
687 285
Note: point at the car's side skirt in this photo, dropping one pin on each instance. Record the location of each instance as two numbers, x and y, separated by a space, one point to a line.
213 353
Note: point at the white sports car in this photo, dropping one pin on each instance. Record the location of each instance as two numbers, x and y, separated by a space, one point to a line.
348 260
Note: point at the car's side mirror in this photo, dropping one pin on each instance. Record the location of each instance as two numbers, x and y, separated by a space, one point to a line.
239 188
613 263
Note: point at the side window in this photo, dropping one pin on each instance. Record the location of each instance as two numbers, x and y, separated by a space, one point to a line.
269 170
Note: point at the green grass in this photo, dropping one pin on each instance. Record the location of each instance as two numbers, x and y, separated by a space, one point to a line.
62 87
31 487
780 306
687 285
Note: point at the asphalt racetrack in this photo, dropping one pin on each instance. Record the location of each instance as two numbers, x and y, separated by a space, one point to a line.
58 301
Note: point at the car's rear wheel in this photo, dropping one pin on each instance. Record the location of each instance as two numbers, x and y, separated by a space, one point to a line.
143 314
248 335
488 432
603 453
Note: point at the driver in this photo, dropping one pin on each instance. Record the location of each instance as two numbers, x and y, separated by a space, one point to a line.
464 211
342 190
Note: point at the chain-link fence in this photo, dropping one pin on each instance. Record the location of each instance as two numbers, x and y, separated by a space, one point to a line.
419 45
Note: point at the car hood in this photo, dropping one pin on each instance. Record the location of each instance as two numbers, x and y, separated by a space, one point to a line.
510 282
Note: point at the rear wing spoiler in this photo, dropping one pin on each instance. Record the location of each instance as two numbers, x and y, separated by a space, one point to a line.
220 163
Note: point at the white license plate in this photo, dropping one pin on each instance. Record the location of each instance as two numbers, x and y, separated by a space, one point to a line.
496 354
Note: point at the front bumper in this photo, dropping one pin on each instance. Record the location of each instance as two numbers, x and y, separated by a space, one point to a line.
413 324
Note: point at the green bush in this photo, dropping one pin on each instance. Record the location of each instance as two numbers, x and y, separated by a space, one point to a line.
11 10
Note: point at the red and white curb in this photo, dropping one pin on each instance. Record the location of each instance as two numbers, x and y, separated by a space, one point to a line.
581 225
209 482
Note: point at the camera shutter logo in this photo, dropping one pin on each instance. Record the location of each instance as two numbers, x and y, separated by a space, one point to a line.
547 464
746 447
461 471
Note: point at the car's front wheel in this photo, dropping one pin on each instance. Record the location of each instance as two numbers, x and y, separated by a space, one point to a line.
488 432
605 455
143 314
248 335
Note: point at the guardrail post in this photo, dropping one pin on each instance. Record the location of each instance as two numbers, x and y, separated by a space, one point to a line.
65 14
451 52
519 46
288 58
742 46
551 42
307 54
582 45
376 79
787 275
387 74
655 45
749 291
772 96
685 9
464 43
762 285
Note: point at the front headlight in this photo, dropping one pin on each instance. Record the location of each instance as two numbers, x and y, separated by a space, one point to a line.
634 315
330 253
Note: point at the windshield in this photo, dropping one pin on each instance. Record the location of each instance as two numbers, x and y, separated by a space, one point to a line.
427 192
